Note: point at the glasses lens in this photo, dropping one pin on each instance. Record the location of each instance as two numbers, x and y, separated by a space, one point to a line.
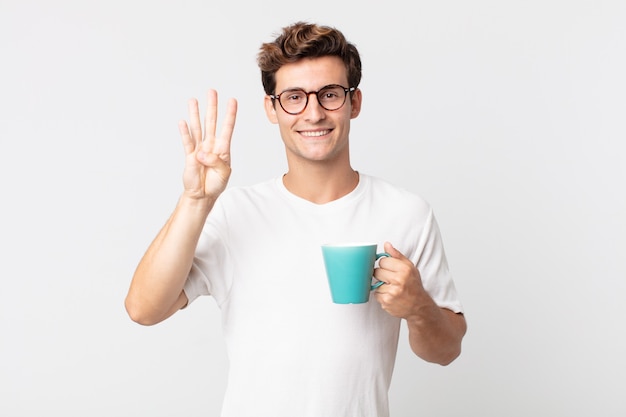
332 97
293 101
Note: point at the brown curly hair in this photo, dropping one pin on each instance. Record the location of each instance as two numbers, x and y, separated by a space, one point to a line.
306 40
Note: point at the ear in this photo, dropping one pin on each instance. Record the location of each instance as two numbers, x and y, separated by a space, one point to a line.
356 103
270 110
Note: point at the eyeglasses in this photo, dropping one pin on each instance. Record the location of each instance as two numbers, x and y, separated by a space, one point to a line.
294 101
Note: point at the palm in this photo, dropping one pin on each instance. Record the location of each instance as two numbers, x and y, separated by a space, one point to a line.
207 155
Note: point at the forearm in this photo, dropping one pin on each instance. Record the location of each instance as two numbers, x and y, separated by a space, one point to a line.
159 279
435 333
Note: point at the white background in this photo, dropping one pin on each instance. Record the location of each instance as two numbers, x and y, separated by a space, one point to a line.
507 116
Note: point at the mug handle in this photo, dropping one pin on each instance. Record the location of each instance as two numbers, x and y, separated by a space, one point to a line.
379 283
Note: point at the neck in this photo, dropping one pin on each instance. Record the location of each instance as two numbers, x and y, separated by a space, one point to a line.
321 184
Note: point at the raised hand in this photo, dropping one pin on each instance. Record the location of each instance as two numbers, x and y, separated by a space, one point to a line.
207 155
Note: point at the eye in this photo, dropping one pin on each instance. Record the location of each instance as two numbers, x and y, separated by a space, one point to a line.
292 96
330 94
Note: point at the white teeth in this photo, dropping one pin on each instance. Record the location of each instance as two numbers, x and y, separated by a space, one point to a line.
316 133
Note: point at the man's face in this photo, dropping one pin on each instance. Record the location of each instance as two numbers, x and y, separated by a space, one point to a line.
315 134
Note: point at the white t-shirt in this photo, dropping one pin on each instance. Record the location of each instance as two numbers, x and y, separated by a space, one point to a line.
293 352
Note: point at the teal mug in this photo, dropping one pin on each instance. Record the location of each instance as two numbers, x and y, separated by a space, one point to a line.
350 269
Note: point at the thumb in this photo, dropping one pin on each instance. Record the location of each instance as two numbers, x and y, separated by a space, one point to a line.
395 253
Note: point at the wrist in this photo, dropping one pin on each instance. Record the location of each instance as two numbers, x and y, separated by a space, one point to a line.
422 311
194 204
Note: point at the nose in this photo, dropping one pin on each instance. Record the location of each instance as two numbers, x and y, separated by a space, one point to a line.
314 110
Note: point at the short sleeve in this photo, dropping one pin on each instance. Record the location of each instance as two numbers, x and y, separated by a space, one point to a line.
433 266
211 271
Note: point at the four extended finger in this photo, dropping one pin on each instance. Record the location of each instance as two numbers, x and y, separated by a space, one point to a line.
210 121
222 144
192 133
188 144
194 120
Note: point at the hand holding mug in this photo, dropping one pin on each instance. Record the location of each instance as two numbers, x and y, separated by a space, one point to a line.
404 293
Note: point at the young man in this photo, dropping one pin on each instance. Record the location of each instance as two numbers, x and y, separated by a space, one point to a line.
256 249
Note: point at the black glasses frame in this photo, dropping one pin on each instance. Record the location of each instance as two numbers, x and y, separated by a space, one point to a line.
308 93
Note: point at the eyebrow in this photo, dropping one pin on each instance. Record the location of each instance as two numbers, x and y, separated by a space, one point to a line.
305 90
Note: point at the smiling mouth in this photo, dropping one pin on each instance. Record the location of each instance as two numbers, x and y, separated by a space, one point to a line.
315 134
